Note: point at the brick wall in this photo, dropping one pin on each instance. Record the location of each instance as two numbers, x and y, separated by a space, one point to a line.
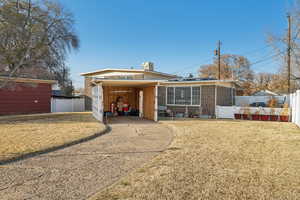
25 98
87 93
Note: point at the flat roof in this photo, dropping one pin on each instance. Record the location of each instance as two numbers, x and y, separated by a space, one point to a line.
136 83
27 80
126 70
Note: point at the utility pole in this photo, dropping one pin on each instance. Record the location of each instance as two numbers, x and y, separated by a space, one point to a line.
218 53
289 53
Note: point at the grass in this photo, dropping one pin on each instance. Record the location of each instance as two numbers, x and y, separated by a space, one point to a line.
211 159
25 134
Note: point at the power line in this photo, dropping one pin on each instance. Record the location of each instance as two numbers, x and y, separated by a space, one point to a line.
255 51
243 54
192 67
265 59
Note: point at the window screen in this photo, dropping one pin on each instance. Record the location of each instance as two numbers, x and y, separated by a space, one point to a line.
183 95
195 95
170 95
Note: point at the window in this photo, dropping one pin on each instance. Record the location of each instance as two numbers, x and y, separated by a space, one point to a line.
195 95
183 95
170 95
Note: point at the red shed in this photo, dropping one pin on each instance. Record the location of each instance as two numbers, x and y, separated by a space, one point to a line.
25 96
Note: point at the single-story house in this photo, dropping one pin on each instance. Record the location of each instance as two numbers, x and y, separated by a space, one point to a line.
265 93
155 94
25 96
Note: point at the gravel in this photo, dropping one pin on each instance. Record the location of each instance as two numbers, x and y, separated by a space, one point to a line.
79 171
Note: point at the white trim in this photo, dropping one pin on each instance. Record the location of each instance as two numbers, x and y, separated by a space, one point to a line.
27 80
174 95
97 80
216 97
200 96
232 97
128 70
167 83
141 104
166 95
192 95
189 85
156 104
182 105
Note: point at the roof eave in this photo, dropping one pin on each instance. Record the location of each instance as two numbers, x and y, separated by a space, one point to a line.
27 80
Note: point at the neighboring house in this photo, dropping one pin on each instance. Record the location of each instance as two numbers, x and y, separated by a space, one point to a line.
265 93
151 92
25 96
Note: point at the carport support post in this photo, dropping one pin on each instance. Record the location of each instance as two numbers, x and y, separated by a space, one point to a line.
100 101
156 104
141 103
216 98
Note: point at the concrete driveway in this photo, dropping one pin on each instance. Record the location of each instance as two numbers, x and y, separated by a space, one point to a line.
79 171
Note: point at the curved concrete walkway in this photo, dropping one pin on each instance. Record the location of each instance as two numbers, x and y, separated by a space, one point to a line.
79 171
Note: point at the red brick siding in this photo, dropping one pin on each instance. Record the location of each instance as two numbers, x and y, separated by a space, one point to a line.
88 93
21 99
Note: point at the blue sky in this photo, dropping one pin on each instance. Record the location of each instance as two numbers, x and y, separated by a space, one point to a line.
177 35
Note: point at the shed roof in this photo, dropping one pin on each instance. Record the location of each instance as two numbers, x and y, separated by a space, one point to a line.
26 80
136 83
264 93
108 70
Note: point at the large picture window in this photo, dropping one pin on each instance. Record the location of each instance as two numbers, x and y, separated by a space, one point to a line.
183 95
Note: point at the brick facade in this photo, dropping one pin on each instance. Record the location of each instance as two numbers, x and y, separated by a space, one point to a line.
25 98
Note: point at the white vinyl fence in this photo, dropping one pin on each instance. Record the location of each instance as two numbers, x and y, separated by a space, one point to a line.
67 105
227 112
247 100
295 105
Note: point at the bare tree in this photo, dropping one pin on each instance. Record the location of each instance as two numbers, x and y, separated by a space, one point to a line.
35 37
279 44
233 67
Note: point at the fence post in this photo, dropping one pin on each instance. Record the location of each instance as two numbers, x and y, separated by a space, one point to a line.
51 105
292 107
72 105
297 109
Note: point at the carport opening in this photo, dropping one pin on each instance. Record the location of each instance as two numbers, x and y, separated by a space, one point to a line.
121 101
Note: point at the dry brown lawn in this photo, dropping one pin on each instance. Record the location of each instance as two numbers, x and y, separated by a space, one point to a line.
211 159
24 134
